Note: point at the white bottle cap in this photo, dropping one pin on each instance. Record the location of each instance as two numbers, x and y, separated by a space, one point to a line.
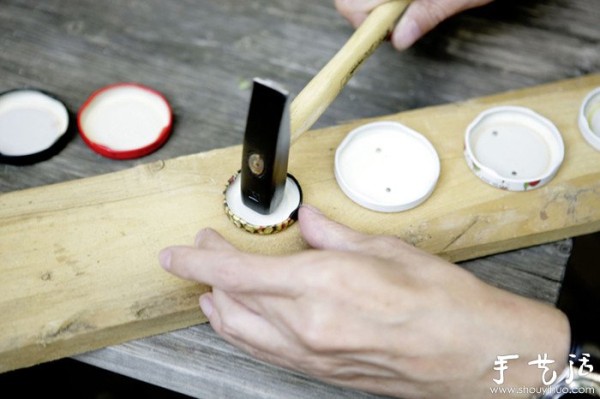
589 118
386 167
34 126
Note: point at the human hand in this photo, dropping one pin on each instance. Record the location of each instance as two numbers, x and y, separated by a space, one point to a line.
370 312
420 17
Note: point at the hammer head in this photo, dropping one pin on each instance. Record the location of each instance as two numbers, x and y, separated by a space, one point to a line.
266 147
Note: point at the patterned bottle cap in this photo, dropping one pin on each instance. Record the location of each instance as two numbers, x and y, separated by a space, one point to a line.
513 148
253 222
589 118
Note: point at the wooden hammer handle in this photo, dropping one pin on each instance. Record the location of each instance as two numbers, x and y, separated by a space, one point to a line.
314 99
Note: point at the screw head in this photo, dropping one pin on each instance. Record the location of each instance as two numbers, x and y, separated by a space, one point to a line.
256 163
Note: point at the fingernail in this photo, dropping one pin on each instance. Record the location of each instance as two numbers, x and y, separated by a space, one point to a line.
200 237
349 3
206 304
312 209
357 18
164 257
406 34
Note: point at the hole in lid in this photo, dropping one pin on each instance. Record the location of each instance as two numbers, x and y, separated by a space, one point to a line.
514 173
378 150
494 133
388 190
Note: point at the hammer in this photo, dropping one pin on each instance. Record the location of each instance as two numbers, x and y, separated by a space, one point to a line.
273 124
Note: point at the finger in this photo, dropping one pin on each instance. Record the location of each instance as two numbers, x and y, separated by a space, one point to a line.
422 16
356 18
232 271
243 327
356 11
210 239
321 232
354 6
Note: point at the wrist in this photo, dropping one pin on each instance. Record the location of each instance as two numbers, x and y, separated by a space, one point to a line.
581 376
536 355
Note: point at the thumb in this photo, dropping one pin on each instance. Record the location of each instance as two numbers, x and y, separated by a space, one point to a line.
356 10
320 232
423 15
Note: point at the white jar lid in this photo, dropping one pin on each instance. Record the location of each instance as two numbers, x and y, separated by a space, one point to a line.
513 148
386 167
34 126
589 118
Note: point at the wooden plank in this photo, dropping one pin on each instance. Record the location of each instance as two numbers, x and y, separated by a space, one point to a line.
82 271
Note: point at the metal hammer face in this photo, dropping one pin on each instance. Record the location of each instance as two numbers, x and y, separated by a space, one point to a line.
266 147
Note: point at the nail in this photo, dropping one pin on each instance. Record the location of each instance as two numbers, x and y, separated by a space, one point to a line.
357 18
200 237
312 209
164 257
206 304
406 34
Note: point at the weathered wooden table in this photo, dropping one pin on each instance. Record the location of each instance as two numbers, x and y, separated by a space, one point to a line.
202 56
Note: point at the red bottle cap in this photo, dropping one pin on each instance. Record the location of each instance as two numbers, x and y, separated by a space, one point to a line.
125 121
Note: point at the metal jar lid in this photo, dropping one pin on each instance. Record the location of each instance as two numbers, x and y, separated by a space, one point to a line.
34 126
125 121
253 222
513 148
589 118
386 167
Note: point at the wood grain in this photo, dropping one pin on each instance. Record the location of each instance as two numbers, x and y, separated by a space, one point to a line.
85 274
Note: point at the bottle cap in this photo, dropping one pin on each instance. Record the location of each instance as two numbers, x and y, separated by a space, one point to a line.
248 219
589 118
125 121
386 167
513 148
34 126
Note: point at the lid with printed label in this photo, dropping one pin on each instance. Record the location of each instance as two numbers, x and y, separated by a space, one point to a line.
513 148
589 118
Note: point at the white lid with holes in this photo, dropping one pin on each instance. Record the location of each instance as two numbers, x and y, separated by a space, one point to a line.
386 167
589 118
513 148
